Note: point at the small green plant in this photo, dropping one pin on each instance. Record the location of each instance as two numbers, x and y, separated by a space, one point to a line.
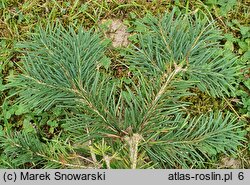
108 123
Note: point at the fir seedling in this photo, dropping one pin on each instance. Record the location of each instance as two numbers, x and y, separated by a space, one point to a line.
144 124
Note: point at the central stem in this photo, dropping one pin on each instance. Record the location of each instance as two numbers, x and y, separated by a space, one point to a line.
133 143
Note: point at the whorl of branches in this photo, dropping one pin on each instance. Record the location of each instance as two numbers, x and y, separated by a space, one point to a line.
62 67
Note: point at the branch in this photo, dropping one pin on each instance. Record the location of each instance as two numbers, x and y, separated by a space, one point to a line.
159 94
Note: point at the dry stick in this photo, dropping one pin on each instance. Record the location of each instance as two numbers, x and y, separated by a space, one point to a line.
84 158
62 163
93 156
230 105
